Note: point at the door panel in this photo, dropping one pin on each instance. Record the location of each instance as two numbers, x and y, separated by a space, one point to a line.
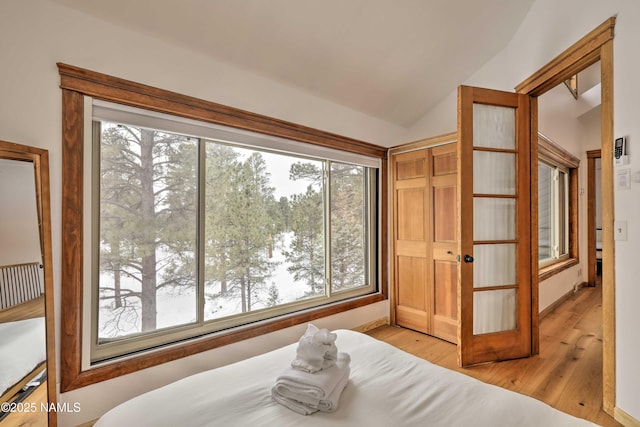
412 275
443 242
445 216
410 166
411 208
445 322
444 161
411 227
411 310
494 238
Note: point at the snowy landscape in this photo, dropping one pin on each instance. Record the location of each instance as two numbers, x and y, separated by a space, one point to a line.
264 229
178 307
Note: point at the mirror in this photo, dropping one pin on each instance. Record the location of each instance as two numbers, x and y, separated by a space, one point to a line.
27 350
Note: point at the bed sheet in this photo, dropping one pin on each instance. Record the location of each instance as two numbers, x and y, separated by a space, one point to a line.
387 387
22 348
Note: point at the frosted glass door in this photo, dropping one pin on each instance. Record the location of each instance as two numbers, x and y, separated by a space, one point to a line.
494 218
495 237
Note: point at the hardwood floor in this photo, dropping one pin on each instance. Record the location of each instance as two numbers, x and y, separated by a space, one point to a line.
27 310
30 418
567 374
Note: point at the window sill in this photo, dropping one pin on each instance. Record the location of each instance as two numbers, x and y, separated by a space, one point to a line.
553 269
79 378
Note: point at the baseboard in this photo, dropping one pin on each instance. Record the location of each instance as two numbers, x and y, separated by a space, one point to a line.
372 325
560 300
625 419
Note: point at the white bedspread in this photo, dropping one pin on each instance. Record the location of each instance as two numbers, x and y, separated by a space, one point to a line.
387 387
22 348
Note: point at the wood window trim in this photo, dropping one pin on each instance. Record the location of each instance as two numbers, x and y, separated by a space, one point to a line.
555 268
551 152
77 82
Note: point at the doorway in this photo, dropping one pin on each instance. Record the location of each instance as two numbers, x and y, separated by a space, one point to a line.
594 216
595 46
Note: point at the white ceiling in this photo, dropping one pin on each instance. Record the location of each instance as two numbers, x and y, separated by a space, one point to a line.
393 60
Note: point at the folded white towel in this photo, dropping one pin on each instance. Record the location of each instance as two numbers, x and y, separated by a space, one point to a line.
294 405
316 350
306 393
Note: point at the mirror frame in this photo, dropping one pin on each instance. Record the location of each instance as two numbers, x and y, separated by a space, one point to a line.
40 159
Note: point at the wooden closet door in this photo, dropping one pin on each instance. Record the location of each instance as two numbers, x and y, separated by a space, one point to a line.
425 221
444 277
411 219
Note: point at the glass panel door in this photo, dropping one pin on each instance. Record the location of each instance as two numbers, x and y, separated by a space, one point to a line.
494 190
494 203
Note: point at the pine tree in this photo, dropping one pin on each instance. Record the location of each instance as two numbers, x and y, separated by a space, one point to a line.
273 298
222 169
306 254
241 225
306 251
284 213
147 192
250 230
347 226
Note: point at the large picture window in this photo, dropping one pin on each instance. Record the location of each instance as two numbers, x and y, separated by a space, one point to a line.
186 265
202 228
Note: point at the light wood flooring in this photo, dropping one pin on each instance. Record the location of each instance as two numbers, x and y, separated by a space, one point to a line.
30 419
28 310
567 374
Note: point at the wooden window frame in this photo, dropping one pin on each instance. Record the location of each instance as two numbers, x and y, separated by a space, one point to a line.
77 82
553 154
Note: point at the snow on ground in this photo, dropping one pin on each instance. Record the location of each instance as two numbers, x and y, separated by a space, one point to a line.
178 307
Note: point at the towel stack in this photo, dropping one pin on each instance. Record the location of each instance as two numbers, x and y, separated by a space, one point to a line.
317 376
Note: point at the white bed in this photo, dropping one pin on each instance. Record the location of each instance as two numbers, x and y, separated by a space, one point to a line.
387 387
22 349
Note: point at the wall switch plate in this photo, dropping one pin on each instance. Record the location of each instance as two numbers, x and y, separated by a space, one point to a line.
620 230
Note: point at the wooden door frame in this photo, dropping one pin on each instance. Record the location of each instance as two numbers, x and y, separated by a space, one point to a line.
591 215
595 46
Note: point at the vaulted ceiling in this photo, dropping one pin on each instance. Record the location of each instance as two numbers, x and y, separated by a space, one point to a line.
393 60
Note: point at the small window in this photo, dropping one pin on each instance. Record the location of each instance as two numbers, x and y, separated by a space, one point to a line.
557 200
553 209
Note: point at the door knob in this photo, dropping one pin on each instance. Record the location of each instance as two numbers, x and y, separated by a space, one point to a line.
468 258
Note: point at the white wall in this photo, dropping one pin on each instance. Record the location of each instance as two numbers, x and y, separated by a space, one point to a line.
36 34
549 28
